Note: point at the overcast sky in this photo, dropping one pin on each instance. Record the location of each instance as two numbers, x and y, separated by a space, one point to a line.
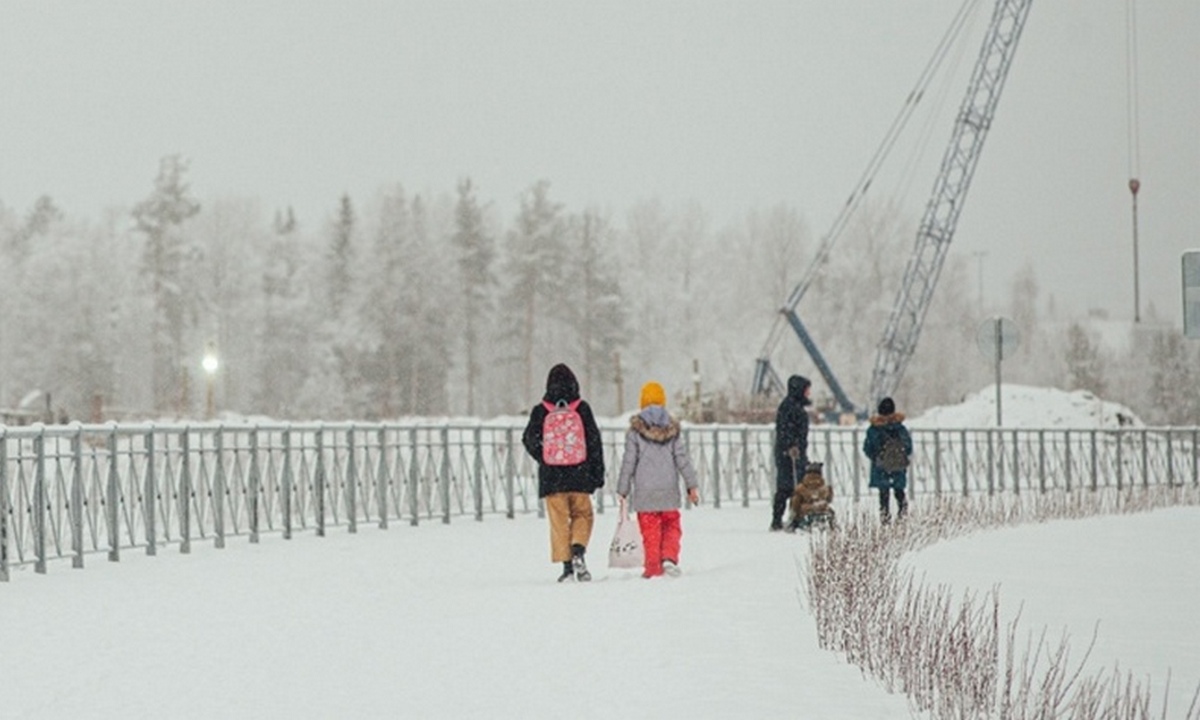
734 105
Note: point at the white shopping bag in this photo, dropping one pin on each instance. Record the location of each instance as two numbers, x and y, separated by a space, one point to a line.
626 548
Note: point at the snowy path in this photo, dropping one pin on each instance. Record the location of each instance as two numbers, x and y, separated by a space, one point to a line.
466 621
437 621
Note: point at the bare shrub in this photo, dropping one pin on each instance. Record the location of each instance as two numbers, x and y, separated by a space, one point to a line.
944 652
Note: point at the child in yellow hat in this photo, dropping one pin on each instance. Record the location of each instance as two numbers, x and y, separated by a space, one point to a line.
654 461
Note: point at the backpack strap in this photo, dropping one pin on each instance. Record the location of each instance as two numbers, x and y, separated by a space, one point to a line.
551 407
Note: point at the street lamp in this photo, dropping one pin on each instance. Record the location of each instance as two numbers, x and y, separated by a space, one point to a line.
210 365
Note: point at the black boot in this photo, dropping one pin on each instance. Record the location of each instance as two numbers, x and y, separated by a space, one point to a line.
581 571
568 571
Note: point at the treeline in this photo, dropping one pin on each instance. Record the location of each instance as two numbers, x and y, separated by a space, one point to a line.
405 304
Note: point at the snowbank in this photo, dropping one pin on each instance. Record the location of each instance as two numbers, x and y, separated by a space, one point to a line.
1022 406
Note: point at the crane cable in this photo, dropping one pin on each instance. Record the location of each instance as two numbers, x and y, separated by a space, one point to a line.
1131 88
907 174
898 123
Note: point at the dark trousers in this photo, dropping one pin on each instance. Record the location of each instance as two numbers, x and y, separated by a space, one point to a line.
782 497
885 510
787 474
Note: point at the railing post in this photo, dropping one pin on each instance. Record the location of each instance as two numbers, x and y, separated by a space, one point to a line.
39 503
1196 456
77 499
510 475
351 482
716 469
991 464
937 460
1067 459
1146 456
148 504
218 488
185 491
382 479
444 475
966 481
1016 464
319 483
478 475
1120 436
1042 461
856 462
112 510
414 479
1096 463
255 484
1170 459
745 467
287 482
4 506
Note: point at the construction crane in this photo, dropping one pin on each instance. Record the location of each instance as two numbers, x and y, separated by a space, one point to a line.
937 226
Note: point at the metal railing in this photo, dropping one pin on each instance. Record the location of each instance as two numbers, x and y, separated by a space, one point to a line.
74 490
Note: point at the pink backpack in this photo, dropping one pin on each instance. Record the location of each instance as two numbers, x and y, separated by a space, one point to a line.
562 434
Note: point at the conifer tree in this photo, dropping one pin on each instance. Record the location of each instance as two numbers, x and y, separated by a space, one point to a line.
284 331
475 254
533 270
598 313
160 218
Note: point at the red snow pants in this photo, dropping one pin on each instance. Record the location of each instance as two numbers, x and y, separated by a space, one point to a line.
661 532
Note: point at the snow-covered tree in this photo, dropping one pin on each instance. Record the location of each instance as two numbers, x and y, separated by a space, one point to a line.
285 332
1174 381
597 310
1085 365
165 262
425 302
475 251
534 275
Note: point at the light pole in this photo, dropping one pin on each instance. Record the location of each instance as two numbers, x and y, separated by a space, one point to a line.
1134 186
210 365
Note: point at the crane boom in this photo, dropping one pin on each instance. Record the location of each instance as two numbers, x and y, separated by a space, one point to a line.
937 227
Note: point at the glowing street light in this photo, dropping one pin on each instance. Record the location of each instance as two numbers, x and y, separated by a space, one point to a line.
210 363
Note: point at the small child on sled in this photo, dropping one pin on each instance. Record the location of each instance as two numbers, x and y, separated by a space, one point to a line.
811 501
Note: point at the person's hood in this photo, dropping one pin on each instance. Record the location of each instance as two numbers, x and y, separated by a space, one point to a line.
655 424
561 384
797 384
881 420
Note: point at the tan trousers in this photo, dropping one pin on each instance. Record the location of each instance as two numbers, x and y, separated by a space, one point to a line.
570 522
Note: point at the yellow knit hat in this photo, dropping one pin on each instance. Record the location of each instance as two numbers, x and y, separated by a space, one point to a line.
653 394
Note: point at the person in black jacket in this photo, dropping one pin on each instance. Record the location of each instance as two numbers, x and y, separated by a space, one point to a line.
567 489
888 423
791 444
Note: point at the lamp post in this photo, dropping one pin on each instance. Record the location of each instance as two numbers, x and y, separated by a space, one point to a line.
210 365
1134 186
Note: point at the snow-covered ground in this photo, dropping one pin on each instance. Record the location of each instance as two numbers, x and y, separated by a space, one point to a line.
465 620
1132 581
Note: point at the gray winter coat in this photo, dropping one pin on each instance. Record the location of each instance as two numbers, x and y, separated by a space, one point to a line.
654 459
